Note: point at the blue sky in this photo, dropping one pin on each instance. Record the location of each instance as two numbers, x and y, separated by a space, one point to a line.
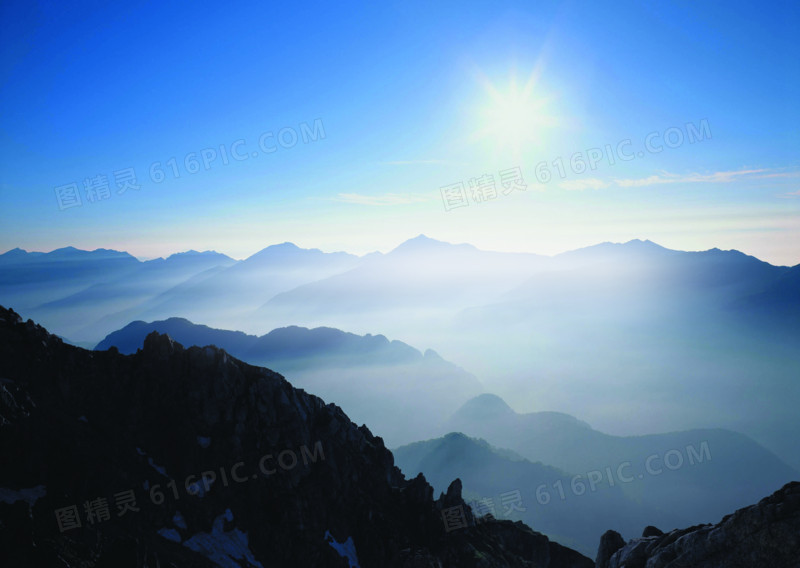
411 97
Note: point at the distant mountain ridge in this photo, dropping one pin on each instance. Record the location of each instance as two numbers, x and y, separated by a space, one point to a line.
685 477
354 371
284 285
18 255
488 474
577 507
282 343
708 331
85 294
420 274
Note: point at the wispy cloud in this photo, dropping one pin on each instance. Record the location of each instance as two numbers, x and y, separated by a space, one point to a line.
382 200
582 184
715 177
782 175
790 195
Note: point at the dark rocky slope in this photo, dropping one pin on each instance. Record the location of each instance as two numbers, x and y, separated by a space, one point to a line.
763 535
289 481
355 371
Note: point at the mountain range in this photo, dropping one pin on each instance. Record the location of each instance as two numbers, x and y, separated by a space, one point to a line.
682 477
376 381
508 486
683 486
686 339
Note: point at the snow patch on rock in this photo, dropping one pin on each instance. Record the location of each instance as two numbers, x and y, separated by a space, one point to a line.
30 495
346 549
222 547
170 534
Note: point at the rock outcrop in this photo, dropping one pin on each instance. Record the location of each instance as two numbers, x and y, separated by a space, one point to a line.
610 542
763 535
180 456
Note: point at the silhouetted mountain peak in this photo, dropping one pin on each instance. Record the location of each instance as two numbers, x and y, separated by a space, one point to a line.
16 251
646 243
72 253
285 246
161 344
460 442
636 247
18 256
456 436
193 254
484 407
431 354
422 239
278 250
731 255
424 244
289 252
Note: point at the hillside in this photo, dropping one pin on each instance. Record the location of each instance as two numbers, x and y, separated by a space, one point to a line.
267 475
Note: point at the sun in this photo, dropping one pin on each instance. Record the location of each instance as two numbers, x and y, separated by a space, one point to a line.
514 118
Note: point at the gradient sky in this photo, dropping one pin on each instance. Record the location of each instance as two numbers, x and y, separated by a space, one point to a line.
412 97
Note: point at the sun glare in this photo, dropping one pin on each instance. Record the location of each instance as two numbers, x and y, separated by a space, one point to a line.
514 118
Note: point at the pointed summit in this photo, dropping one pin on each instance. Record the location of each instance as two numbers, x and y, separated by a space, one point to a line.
193 255
15 252
290 252
17 255
282 248
483 407
647 243
636 248
424 244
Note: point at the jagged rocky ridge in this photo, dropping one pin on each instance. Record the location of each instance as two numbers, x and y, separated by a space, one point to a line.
759 536
296 482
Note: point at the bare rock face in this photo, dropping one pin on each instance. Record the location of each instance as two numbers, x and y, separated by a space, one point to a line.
180 456
610 542
765 534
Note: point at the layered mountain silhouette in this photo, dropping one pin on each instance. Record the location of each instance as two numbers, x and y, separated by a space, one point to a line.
506 485
376 381
234 294
72 289
677 478
87 294
422 276
633 337
686 339
32 279
190 457
690 338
